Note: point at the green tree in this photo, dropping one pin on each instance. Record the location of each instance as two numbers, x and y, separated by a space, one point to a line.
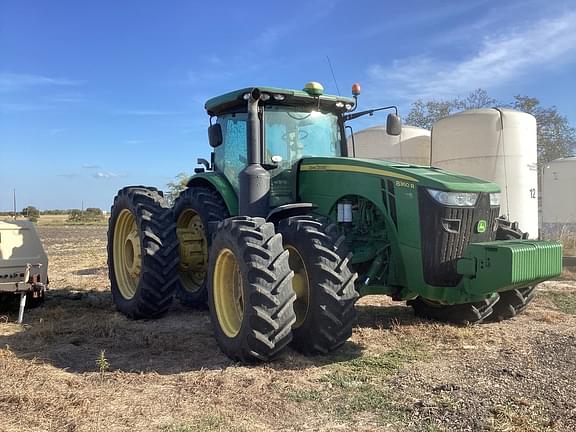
425 113
74 215
31 213
93 214
556 138
176 186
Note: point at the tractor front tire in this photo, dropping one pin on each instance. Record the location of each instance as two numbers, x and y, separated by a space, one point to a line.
462 314
323 282
512 303
515 301
196 212
250 292
142 253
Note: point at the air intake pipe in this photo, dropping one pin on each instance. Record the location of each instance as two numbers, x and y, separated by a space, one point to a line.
254 180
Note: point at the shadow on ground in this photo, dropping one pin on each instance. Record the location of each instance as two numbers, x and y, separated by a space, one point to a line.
74 327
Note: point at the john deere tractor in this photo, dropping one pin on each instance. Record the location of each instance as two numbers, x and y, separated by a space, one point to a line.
282 231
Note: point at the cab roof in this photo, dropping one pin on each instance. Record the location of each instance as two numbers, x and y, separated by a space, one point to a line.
234 100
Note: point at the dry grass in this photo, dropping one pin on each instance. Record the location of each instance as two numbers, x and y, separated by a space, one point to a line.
397 373
62 220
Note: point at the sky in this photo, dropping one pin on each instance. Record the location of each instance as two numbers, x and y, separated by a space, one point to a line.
95 96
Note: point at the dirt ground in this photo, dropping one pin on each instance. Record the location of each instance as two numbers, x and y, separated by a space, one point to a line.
78 365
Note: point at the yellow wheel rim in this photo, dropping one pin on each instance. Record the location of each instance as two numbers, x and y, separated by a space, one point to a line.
300 285
228 293
193 249
127 254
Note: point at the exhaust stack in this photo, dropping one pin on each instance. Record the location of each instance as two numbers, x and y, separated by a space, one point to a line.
254 180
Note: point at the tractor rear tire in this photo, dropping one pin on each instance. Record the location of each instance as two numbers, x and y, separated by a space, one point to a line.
142 253
250 292
196 213
323 282
463 314
515 301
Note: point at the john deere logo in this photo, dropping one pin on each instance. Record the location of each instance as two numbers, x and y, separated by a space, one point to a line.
481 226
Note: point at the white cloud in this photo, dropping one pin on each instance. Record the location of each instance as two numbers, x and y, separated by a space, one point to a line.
13 82
88 166
56 131
107 175
10 108
145 112
499 59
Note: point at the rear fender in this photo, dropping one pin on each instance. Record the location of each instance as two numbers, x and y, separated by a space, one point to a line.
221 185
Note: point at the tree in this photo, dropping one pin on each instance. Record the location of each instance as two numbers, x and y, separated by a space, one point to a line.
425 113
75 215
177 186
556 138
93 214
32 213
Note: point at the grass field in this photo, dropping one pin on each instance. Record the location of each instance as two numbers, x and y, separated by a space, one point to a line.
78 365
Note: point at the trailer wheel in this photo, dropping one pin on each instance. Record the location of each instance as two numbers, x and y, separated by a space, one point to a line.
323 283
142 253
196 212
464 314
250 292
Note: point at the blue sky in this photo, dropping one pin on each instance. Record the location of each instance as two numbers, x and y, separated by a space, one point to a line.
98 95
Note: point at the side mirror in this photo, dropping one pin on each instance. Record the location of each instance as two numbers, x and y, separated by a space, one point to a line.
393 125
215 135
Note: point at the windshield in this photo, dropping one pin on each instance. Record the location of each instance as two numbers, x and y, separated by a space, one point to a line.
291 135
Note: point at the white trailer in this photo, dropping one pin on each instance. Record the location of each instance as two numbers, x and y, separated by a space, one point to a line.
23 263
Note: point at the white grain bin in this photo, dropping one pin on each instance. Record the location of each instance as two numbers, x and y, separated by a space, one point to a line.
412 146
495 144
559 196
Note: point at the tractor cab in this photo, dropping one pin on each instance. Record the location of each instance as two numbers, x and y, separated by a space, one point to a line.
292 125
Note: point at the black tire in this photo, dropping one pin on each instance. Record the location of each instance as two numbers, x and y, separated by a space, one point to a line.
512 303
209 206
151 289
463 314
325 308
515 301
263 283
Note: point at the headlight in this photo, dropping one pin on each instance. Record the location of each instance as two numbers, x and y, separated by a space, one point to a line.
459 199
495 199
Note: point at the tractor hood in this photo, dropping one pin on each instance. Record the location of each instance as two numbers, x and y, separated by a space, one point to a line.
420 175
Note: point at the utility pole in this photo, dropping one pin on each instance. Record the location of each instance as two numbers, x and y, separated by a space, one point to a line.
14 195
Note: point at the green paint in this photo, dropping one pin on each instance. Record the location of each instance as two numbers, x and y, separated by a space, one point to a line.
218 182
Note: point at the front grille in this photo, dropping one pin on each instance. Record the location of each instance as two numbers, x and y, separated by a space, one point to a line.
445 233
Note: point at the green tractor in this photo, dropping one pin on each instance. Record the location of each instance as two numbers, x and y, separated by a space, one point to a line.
282 231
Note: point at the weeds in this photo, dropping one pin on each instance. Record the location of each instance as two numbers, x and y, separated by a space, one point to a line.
103 364
210 423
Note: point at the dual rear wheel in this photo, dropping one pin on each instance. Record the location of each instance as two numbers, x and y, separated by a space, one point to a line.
262 292
266 290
